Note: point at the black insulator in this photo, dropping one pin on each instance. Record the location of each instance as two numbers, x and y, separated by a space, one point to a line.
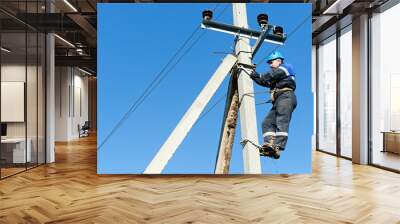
207 14
278 30
262 19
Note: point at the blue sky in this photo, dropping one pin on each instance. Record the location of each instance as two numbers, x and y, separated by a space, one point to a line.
135 41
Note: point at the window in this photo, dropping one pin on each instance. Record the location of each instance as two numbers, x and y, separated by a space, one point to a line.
346 92
327 95
385 89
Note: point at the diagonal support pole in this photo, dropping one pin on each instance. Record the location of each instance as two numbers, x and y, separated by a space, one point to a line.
168 149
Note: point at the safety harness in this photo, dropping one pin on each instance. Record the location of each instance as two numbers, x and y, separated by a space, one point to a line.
276 90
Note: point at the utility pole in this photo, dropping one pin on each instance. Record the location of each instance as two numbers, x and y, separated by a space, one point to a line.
248 124
240 93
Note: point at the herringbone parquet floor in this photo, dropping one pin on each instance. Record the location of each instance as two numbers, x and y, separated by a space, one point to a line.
70 191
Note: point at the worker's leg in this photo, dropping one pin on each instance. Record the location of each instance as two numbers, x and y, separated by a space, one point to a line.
285 105
269 126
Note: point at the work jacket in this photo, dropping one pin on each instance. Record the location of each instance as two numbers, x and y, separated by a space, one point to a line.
276 78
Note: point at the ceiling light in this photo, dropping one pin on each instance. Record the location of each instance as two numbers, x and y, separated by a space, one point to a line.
65 41
5 50
70 5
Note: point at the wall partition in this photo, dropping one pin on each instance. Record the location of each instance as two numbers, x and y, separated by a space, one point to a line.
22 88
14 153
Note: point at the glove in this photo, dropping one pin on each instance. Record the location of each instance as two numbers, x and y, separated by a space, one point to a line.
254 74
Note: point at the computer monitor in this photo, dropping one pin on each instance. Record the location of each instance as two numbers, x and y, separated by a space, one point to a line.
3 129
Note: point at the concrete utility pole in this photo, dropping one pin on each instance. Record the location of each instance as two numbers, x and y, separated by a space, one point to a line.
251 157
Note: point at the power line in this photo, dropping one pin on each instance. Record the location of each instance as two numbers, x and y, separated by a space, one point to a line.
157 80
175 55
154 84
219 100
223 11
148 89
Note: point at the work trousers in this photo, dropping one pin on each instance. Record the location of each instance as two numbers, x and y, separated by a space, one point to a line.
275 126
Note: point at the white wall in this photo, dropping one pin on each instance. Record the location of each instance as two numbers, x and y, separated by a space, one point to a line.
80 102
71 93
62 82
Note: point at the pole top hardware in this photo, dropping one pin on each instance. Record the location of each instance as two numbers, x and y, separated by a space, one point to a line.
268 33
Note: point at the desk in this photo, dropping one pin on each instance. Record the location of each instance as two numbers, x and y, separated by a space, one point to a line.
17 152
391 141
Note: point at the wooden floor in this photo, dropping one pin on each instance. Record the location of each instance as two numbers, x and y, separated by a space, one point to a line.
70 191
387 159
5 172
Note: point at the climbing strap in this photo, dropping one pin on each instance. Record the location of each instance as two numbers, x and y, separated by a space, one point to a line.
261 149
251 94
245 141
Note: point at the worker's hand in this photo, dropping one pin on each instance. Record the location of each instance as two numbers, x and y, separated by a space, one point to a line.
254 74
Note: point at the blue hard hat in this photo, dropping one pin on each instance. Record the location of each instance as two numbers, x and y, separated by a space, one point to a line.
275 55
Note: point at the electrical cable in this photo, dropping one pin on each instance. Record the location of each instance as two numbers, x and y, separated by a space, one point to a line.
219 100
154 84
157 80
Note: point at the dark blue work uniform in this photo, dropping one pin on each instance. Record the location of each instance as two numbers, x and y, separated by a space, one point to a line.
282 84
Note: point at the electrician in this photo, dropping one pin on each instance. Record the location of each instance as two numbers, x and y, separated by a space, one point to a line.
281 81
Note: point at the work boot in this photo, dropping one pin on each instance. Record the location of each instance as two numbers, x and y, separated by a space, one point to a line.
276 153
266 150
270 150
